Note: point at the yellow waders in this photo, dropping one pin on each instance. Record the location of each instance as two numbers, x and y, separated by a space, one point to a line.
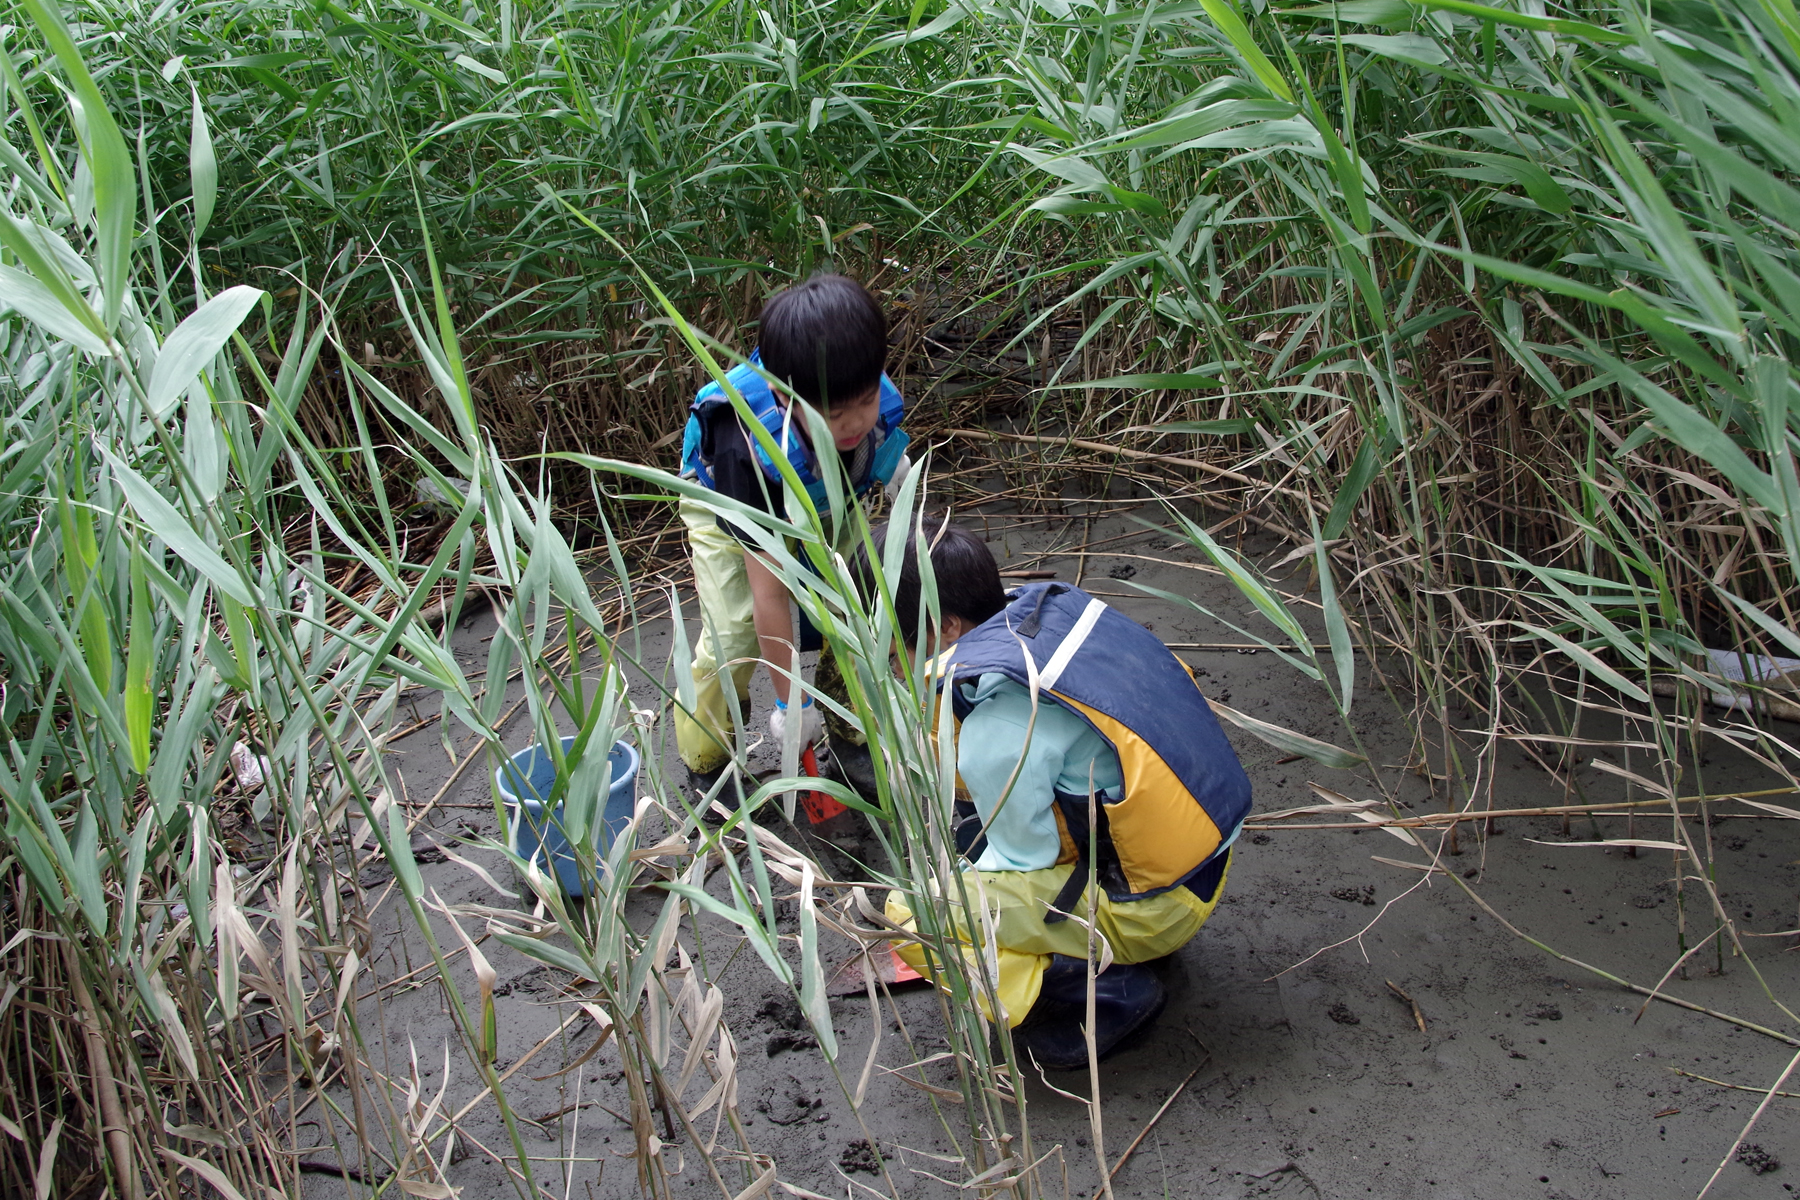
1138 930
727 614
722 587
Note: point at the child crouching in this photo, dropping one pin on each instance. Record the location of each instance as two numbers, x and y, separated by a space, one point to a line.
1118 730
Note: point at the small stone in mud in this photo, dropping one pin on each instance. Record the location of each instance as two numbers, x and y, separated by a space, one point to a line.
786 1040
1362 895
1756 1158
788 1103
1340 1012
1546 1012
1123 571
860 1156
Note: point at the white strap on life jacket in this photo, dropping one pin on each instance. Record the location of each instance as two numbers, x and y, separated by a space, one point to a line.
1084 625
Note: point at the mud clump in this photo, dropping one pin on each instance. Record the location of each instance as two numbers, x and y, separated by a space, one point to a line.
1340 1012
860 1156
1352 895
1756 1158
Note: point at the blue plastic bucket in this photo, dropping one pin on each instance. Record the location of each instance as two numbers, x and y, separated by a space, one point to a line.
530 775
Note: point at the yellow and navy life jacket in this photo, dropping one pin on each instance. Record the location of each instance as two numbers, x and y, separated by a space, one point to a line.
1185 792
889 439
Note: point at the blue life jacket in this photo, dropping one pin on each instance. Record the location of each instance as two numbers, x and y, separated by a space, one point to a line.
1185 792
890 439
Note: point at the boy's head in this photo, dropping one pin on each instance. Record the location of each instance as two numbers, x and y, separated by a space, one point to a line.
968 580
826 339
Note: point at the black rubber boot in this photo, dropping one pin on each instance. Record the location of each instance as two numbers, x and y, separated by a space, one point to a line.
1126 999
849 763
700 783
971 836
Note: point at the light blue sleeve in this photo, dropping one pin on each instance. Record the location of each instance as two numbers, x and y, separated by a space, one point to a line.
1022 835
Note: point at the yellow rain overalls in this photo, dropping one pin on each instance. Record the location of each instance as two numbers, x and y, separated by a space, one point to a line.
1163 846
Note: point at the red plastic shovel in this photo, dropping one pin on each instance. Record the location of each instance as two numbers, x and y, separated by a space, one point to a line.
819 806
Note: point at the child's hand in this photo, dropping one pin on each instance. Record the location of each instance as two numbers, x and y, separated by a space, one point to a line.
900 473
812 723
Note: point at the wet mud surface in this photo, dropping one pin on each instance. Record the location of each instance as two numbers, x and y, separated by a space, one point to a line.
1306 1072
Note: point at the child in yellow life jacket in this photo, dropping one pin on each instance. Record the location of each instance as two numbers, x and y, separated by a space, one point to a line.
1118 729
825 341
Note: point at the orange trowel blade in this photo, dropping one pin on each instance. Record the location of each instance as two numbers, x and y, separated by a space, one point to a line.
819 806
850 976
902 972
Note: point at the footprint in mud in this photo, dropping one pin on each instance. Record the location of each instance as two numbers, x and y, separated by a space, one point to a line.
790 1041
1286 1182
788 1103
535 982
783 1011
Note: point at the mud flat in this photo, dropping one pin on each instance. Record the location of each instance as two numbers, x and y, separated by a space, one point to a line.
1306 1073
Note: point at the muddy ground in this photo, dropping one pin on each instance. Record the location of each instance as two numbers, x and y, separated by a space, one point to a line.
1306 1076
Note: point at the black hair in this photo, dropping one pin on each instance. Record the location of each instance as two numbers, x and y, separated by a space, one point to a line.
968 578
825 338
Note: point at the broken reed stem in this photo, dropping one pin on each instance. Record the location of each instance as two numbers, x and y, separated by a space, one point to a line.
1611 978
1145 1131
1430 820
1095 1123
1263 523
1198 464
1736 1087
1675 966
106 1089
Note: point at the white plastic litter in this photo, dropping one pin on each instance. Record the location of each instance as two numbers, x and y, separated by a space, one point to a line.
252 769
433 496
1736 668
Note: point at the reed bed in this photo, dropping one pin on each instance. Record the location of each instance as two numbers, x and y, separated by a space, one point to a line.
1489 312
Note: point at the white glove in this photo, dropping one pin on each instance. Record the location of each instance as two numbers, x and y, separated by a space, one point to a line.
812 723
900 473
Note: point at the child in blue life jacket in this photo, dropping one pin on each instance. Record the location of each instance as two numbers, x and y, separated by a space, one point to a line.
1119 729
825 341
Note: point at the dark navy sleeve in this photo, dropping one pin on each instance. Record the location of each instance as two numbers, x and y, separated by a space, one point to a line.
735 471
